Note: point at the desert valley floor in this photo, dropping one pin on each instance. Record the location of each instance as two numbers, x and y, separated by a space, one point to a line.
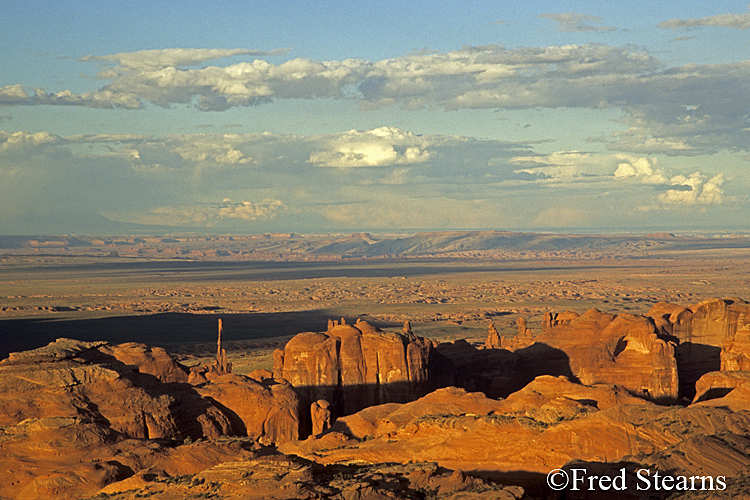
170 293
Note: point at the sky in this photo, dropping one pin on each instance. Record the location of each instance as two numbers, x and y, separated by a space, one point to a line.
243 117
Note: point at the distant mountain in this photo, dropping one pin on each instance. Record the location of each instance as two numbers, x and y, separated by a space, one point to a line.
292 246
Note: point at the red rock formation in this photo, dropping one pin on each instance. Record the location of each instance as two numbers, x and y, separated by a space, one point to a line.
267 411
714 321
470 432
69 378
493 338
735 351
524 337
320 413
219 366
701 330
604 349
355 366
154 361
714 385
552 319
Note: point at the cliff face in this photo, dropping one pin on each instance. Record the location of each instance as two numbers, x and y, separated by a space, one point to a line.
356 366
599 348
701 331
623 349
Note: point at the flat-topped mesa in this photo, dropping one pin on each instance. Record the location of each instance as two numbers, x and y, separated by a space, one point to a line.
356 366
600 348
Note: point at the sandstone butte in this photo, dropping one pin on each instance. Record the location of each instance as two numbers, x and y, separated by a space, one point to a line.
356 366
89 419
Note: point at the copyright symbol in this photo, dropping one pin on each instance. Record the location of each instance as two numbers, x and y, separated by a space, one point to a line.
558 479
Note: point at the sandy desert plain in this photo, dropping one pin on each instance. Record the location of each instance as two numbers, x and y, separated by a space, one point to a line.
69 434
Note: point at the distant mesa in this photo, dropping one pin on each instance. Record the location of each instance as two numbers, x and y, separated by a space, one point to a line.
292 246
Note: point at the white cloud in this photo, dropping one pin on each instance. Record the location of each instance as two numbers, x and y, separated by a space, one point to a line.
574 21
10 141
643 169
385 146
568 166
429 181
219 149
684 110
213 215
694 190
737 21
163 58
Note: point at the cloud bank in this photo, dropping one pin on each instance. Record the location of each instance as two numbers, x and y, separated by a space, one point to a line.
380 178
683 110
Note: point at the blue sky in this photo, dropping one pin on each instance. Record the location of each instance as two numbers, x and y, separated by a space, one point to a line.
245 117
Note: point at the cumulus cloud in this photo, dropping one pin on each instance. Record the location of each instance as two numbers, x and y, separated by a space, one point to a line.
574 21
565 166
487 76
385 146
643 169
214 214
429 181
10 141
693 190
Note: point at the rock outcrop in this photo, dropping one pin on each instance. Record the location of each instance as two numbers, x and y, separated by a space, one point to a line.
524 337
714 385
542 427
137 391
69 378
494 340
701 331
601 348
320 414
219 366
356 366
268 411
735 351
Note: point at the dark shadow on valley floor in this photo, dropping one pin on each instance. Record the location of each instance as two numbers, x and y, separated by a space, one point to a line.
168 330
